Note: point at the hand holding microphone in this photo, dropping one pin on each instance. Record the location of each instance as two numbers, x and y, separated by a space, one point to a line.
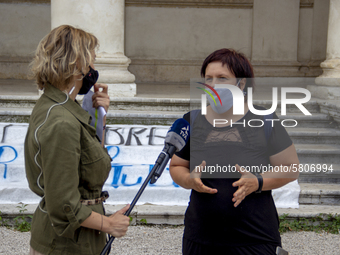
119 223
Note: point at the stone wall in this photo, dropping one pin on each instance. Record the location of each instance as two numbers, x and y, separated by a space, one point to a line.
22 25
167 40
171 38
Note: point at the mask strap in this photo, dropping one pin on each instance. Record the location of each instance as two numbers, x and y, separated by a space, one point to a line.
83 73
238 85
71 90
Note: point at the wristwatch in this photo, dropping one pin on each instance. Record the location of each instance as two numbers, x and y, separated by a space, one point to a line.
260 180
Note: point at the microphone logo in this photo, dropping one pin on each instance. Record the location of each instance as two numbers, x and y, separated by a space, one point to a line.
184 132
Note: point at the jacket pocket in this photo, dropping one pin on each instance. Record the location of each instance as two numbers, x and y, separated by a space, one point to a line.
95 165
77 235
91 155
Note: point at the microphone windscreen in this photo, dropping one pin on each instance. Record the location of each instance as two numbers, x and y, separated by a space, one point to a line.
178 134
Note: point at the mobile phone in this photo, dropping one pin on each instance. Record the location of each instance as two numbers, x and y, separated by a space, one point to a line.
280 251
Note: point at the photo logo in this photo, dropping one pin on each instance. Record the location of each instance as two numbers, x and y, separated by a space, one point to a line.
238 103
238 99
208 92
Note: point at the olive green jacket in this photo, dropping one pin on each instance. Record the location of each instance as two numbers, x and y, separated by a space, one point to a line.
74 166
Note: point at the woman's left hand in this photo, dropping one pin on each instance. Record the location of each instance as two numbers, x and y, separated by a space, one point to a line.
101 97
247 184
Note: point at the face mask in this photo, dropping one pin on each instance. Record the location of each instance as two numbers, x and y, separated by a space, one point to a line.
88 81
226 99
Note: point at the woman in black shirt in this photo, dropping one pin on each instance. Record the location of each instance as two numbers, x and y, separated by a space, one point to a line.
231 210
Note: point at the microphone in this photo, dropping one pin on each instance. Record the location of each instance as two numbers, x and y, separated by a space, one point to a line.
175 140
178 134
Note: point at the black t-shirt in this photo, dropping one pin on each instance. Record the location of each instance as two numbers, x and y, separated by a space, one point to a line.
213 219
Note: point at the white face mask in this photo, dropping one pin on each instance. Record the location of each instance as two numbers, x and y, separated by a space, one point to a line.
226 99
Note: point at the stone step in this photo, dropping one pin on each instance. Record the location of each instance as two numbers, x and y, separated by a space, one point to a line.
320 173
142 117
174 215
182 104
317 120
15 115
314 213
314 135
312 106
26 102
319 194
149 104
158 214
316 153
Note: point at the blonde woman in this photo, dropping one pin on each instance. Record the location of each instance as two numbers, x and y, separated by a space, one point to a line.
65 162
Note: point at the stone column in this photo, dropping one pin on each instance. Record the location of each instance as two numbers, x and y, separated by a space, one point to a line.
104 19
275 37
328 84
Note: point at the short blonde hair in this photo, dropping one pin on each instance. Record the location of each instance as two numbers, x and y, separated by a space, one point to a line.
57 54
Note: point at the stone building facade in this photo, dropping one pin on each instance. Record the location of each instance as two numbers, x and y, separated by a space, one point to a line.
165 41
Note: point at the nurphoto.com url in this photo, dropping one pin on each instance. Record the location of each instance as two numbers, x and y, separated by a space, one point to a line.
294 168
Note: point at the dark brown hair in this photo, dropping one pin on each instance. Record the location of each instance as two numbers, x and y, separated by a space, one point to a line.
237 63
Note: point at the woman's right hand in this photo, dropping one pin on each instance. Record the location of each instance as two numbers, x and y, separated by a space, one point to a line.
196 182
118 223
180 173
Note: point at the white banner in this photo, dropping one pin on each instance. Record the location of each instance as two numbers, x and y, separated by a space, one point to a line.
133 148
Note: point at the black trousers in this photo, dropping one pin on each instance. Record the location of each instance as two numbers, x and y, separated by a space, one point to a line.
192 248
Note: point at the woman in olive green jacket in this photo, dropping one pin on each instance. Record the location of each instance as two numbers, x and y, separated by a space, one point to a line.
65 162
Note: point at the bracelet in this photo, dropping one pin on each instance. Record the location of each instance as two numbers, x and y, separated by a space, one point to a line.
102 224
260 180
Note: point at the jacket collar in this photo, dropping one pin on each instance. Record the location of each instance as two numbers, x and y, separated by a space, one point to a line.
73 107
